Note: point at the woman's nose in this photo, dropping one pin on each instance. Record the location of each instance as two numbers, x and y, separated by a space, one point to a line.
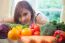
23 19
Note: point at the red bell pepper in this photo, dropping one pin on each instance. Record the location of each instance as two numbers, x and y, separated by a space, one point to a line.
60 35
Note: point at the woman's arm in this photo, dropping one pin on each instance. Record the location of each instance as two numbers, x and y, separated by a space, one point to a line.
7 20
41 19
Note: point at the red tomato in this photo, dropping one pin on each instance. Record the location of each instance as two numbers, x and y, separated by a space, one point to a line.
37 33
32 31
36 28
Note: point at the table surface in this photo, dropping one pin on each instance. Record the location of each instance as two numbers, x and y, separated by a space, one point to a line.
26 37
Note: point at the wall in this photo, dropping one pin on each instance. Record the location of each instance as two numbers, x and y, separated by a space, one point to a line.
5 8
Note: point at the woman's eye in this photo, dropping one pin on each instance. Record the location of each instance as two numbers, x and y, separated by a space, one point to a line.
24 14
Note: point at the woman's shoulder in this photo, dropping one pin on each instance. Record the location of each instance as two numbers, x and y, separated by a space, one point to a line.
41 18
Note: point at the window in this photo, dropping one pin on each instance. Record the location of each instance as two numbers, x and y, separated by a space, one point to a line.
51 8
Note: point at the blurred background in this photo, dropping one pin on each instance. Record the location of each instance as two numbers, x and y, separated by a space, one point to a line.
53 9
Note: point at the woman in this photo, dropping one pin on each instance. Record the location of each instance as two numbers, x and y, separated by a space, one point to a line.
24 14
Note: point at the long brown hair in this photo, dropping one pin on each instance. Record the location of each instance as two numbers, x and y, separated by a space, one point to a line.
19 6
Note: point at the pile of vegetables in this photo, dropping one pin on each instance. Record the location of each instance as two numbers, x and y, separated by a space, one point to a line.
19 30
16 31
54 29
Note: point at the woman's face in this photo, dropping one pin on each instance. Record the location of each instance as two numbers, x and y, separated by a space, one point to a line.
25 16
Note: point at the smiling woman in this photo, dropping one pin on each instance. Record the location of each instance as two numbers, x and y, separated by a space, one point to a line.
24 14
